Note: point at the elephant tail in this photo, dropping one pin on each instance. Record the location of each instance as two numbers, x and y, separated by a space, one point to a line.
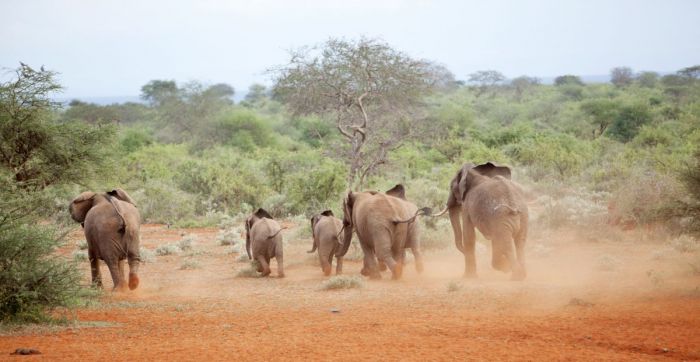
313 248
443 212
423 211
275 234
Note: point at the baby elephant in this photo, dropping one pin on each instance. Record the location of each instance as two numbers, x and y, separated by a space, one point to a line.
325 228
262 233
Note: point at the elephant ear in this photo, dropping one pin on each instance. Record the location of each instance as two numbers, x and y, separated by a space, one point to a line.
121 195
261 213
397 191
80 206
327 213
491 170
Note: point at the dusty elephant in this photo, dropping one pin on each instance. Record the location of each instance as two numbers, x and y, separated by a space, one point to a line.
325 228
382 223
413 234
111 224
262 234
487 199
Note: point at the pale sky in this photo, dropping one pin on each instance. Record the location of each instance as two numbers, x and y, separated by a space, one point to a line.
113 47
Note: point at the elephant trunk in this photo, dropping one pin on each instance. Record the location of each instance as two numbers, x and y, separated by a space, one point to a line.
247 245
347 239
456 227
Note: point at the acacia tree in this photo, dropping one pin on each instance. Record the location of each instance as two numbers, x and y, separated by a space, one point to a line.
372 92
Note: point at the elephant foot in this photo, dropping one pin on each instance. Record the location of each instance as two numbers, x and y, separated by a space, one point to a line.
97 284
382 266
365 272
280 275
470 275
397 272
327 270
519 274
133 281
120 288
266 272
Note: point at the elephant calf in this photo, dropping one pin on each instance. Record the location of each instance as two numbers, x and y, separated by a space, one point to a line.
111 223
488 200
262 234
325 229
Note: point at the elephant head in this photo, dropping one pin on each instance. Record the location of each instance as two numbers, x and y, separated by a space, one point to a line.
466 176
80 206
249 222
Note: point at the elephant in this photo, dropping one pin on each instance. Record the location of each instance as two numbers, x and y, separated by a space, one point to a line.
487 199
383 226
111 224
325 228
262 234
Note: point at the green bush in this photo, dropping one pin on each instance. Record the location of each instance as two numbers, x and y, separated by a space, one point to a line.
33 280
343 282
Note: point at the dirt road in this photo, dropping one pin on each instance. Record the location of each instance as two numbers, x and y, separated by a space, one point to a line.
573 306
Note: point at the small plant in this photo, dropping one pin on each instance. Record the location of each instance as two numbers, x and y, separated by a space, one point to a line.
656 278
342 282
82 244
453 286
190 265
147 255
685 244
168 249
251 271
186 242
242 258
80 255
231 236
607 263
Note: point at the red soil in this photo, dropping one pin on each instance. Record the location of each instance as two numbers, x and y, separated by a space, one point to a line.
565 310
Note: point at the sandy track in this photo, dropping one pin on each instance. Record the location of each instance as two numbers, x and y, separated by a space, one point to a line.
207 313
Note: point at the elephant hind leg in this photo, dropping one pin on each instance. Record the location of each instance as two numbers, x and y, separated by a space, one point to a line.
95 268
469 247
418 256
264 265
117 277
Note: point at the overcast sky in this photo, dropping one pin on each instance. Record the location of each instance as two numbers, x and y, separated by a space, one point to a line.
112 48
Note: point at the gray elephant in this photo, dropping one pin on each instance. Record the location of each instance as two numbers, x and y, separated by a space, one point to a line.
487 199
413 234
262 234
111 224
382 223
325 228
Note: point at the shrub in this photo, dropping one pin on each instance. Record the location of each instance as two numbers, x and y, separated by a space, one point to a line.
186 242
168 249
453 286
33 280
342 282
250 271
685 244
82 244
147 255
189 265
80 255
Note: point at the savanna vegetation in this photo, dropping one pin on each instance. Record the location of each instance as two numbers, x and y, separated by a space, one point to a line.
344 114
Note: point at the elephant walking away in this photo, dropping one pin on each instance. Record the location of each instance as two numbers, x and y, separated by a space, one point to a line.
262 235
485 198
325 228
111 224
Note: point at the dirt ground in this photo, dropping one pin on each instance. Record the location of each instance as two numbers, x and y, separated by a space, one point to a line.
582 300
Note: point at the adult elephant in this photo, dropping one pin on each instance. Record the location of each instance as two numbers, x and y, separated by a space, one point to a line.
382 223
111 224
262 235
325 229
483 196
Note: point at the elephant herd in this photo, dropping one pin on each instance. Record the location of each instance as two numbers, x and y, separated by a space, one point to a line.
480 196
